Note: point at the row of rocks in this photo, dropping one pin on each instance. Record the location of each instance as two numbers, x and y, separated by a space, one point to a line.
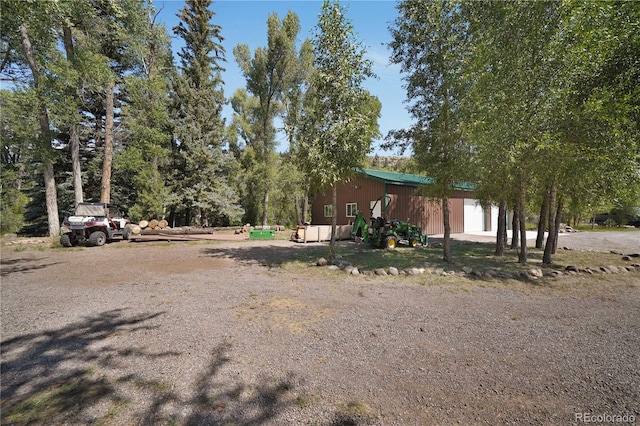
611 269
532 273
626 257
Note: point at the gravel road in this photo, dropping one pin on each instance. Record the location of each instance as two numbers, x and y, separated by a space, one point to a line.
206 334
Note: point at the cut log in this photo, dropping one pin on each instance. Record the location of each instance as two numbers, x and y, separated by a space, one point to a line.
143 224
153 223
162 224
136 229
187 230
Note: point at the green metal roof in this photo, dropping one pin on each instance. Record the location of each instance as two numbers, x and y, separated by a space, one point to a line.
407 179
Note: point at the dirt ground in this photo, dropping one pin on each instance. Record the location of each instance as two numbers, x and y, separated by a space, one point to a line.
213 333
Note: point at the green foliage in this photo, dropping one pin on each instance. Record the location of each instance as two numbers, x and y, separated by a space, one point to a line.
203 51
13 201
534 98
542 94
340 117
430 44
268 81
146 157
201 166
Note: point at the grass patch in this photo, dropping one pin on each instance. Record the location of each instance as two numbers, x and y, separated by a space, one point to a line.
155 386
478 256
588 228
54 403
303 401
112 412
353 412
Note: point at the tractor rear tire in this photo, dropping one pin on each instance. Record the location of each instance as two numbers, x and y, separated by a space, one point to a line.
390 242
97 238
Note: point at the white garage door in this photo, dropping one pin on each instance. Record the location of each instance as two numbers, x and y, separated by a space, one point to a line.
473 216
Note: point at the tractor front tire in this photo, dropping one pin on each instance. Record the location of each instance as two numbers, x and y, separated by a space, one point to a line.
97 238
390 242
413 242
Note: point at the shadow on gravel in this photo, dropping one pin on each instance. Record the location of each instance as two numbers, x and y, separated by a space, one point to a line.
12 266
270 255
46 375
59 377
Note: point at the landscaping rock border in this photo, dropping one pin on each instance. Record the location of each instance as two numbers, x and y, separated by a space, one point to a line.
467 271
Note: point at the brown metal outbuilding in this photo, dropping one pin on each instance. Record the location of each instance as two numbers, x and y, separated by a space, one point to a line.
406 201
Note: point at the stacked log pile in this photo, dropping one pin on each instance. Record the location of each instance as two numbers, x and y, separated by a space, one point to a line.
161 227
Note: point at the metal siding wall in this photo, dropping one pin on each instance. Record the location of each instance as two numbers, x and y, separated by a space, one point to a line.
357 190
317 208
406 203
456 215
405 206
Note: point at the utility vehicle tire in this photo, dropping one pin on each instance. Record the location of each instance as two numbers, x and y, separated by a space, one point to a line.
97 238
126 232
413 242
65 240
390 242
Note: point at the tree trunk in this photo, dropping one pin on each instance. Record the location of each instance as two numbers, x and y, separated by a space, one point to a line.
67 38
334 221
74 146
74 138
51 195
305 201
105 188
446 244
558 221
542 221
522 197
297 201
501 236
548 249
204 219
265 206
515 227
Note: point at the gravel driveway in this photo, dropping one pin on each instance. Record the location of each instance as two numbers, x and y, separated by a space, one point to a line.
205 334
601 241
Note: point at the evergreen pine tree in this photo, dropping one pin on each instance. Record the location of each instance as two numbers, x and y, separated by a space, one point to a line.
201 163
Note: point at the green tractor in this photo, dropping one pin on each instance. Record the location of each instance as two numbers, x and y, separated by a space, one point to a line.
381 233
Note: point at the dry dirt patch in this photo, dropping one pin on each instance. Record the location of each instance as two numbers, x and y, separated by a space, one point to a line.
187 265
294 315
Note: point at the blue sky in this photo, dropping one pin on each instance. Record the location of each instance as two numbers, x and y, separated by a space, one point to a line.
246 22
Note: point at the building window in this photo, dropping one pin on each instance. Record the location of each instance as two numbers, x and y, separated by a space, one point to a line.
352 209
328 210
